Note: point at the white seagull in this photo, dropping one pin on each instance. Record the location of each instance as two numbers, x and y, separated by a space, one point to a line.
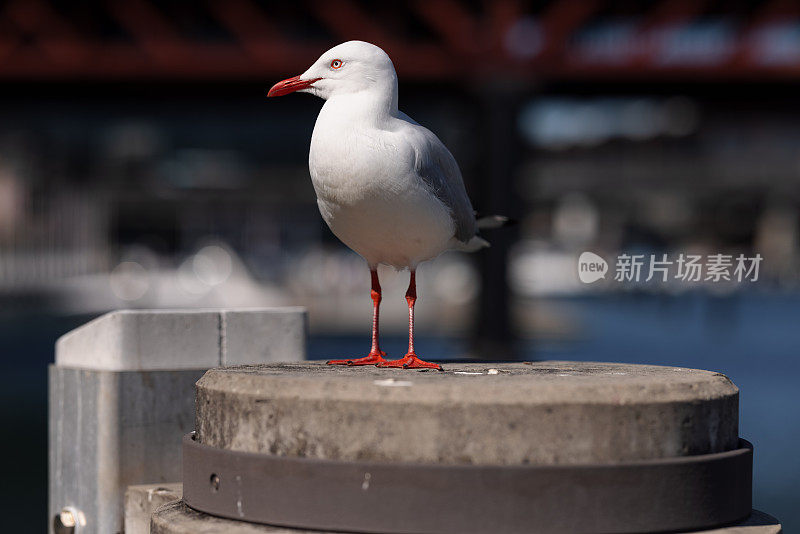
386 186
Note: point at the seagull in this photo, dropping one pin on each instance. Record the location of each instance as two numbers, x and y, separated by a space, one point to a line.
386 186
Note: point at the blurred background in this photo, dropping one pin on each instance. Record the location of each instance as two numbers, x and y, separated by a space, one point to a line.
141 166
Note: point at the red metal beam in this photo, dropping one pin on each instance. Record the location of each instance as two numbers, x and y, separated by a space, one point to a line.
156 36
38 41
348 21
260 37
56 38
460 30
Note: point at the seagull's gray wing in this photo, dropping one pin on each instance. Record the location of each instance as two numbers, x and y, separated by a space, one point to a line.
438 169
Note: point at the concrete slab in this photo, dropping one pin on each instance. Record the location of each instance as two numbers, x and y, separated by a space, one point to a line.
142 500
539 412
263 335
757 523
177 518
142 340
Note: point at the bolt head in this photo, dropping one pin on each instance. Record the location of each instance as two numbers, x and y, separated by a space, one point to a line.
68 520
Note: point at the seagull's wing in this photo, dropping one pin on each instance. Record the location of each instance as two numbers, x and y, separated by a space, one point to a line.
437 168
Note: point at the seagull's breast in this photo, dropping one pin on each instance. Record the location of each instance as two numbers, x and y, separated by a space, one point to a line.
352 164
370 196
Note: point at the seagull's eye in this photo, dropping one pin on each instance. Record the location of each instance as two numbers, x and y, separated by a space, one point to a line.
336 64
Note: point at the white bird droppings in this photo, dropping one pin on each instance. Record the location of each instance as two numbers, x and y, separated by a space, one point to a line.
492 372
365 484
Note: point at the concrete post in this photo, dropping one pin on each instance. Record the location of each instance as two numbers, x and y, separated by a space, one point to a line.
559 417
121 396
546 413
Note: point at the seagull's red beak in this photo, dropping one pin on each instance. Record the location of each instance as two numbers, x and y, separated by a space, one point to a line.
290 85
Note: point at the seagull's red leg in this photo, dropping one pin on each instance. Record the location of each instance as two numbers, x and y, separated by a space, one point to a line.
410 360
375 354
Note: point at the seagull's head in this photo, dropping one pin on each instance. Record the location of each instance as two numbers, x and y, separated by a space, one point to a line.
351 67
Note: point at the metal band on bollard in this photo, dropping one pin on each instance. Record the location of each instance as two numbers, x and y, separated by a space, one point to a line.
684 493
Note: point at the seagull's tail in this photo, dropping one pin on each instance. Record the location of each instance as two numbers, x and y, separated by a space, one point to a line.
473 245
490 222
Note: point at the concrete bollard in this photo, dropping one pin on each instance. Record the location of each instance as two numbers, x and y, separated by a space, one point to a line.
121 397
524 447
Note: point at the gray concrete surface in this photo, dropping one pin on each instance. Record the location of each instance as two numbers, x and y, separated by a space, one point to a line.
177 518
263 335
143 340
540 412
126 340
122 396
757 523
142 500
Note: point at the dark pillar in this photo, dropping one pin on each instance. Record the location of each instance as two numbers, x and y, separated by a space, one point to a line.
495 338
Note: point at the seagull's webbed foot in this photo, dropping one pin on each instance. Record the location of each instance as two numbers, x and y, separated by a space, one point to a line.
411 361
373 358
